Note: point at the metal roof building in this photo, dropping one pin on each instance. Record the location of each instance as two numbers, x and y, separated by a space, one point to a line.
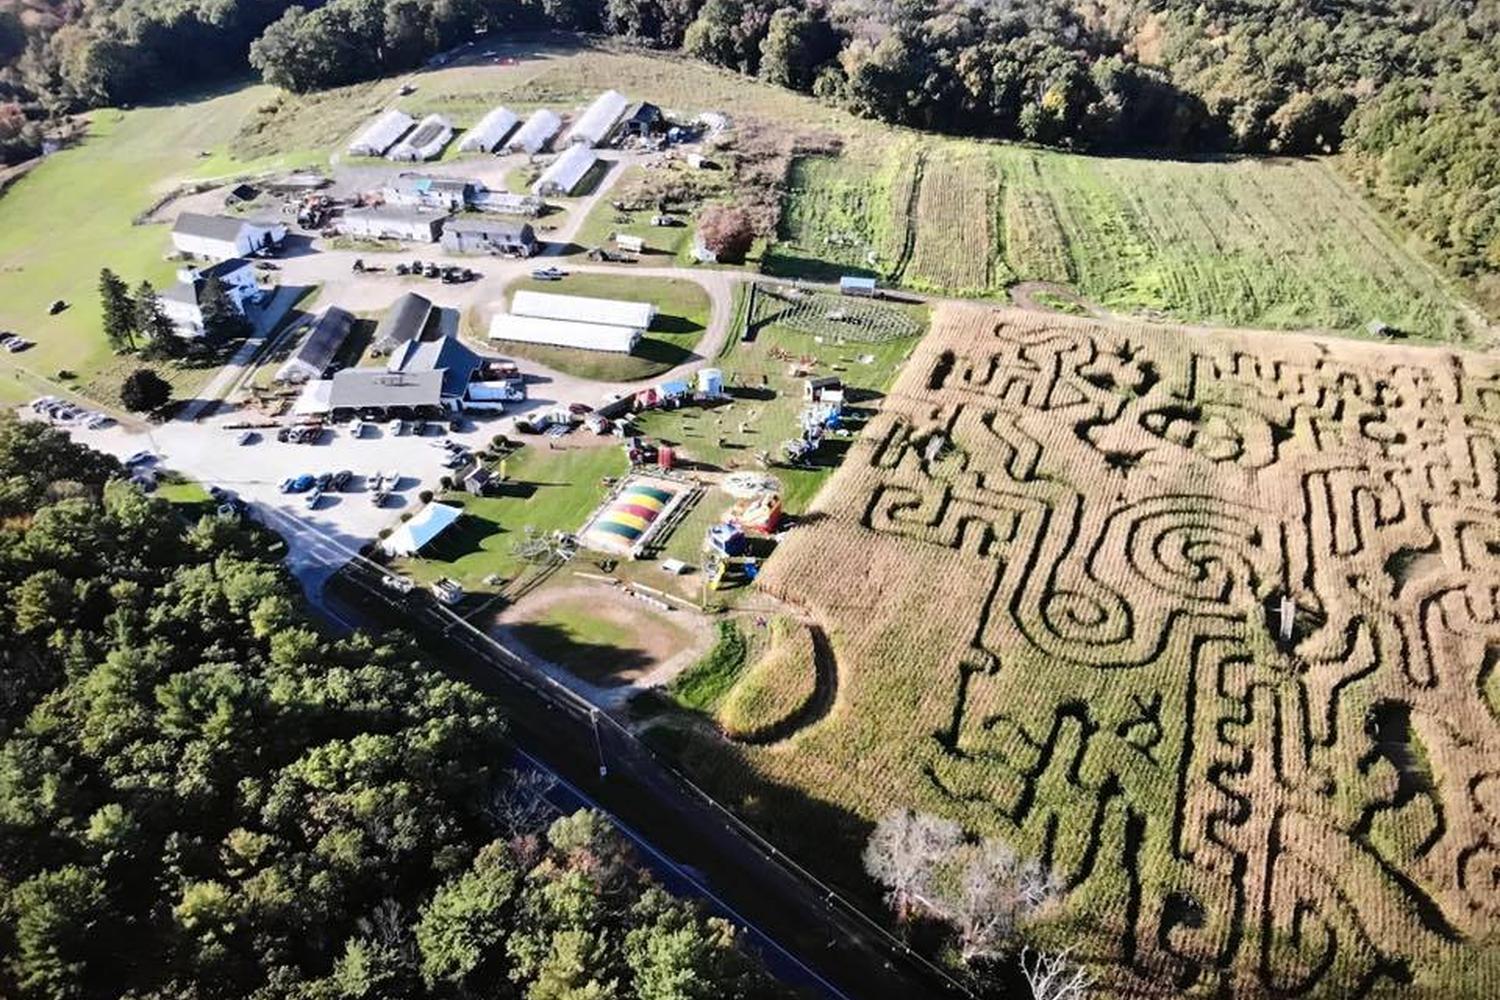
426 141
381 134
317 350
564 174
224 236
395 222
537 131
509 204
489 131
565 333
583 309
425 190
467 234
445 354
598 119
404 321
378 389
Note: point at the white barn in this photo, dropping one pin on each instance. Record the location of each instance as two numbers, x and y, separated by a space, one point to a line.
220 237
390 222
381 134
565 333
564 174
598 119
426 141
183 302
583 309
534 135
489 132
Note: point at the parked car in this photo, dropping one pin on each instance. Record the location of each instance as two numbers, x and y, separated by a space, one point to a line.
392 479
324 479
579 409
314 498
6 337
397 427
246 437
17 345
341 480
549 273
99 421
140 458
379 498
297 484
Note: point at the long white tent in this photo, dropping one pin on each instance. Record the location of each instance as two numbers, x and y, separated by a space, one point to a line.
583 309
537 131
565 333
381 134
564 174
426 141
432 521
598 120
489 132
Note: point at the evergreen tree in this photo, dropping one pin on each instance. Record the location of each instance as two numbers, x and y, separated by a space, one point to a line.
153 324
119 311
222 319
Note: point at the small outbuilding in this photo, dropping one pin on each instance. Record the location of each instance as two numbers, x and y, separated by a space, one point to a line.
318 348
534 134
412 536
489 131
598 120
381 134
642 120
477 234
565 173
393 222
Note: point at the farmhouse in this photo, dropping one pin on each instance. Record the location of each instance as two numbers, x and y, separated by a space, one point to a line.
414 190
583 309
598 120
426 141
565 333
506 203
532 137
468 234
220 237
403 322
432 521
642 120
183 302
565 173
393 222
318 348
445 354
489 132
381 134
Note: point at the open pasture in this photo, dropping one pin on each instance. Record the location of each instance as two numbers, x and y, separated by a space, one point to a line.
1218 640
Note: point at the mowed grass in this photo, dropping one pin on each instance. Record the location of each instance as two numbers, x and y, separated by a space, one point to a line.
1278 244
682 312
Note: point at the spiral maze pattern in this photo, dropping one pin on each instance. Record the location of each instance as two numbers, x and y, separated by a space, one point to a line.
1242 805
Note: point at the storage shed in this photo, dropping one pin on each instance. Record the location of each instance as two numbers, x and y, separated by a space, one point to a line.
489 131
381 134
642 120
583 309
393 222
426 141
319 347
565 333
562 177
532 137
469 234
598 119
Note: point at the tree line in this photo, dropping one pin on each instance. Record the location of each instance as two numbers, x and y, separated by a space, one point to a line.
204 796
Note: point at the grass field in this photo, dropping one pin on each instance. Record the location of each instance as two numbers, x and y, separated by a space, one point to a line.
1052 571
682 311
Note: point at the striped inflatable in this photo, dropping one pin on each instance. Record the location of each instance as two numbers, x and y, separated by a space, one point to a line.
628 516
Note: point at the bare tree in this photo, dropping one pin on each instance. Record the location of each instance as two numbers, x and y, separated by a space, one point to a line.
993 892
519 806
1054 976
903 854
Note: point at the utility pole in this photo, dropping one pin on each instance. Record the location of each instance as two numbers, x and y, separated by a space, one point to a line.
598 743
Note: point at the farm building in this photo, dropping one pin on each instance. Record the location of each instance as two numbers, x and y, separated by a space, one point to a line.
383 391
403 322
426 141
429 523
532 137
468 234
565 173
583 309
854 285
625 523
564 333
506 203
598 120
183 302
489 131
444 354
642 120
415 190
381 134
220 237
393 222
318 348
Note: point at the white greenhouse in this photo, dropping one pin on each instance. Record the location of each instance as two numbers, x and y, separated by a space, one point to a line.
426 141
563 333
381 134
490 131
533 136
563 176
598 119
583 309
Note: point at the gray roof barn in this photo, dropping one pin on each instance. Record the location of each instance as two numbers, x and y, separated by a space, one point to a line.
476 234
376 388
210 227
404 321
445 354
318 349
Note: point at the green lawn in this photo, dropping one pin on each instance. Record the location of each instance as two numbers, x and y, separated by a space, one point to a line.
550 491
639 190
682 309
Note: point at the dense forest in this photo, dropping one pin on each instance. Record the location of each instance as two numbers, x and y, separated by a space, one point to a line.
1409 89
201 796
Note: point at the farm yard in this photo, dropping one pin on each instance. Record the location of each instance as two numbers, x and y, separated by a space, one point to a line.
1217 646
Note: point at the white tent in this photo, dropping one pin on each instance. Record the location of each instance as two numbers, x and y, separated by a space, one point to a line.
583 309
598 120
535 133
432 521
489 131
314 398
564 333
381 134
426 141
562 177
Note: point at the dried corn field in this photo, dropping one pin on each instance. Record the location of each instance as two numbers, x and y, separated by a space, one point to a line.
1113 521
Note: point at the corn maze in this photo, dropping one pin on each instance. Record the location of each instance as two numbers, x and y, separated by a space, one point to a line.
1209 623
